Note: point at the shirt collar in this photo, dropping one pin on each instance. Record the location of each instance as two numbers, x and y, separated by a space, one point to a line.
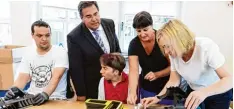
124 78
98 29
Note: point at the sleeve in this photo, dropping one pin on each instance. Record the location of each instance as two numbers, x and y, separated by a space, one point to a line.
172 64
76 68
117 44
132 48
101 92
23 67
215 58
117 49
62 58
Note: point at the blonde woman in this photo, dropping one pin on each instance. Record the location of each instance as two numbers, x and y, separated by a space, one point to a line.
199 61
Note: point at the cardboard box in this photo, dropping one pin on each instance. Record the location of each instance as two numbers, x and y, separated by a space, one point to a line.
10 57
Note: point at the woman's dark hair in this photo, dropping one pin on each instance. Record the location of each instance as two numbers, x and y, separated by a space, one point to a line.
142 20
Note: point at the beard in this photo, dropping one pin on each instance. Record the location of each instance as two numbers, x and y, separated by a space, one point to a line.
44 48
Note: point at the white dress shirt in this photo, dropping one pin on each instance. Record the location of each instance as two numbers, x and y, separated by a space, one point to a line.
102 34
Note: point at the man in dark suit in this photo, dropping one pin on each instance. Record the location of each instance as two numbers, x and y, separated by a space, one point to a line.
86 43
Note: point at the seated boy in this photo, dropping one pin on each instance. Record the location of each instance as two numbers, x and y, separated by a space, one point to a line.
114 82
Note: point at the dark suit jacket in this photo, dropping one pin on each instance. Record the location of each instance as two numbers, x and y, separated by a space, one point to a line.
84 53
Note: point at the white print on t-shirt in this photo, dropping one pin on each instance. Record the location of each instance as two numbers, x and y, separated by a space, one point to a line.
41 75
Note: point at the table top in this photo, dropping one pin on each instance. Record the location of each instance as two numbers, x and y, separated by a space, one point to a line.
68 105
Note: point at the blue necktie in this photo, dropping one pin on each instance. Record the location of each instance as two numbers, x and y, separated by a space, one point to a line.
99 41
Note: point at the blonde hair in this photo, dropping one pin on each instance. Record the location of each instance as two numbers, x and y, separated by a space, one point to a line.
178 35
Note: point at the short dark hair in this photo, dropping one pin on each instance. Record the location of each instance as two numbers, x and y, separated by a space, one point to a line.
142 20
113 60
39 23
85 4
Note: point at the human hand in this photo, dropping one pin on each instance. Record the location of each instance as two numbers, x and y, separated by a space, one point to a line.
25 103
194 99
81 98
40 98
146 102
151 76
13 93
9 95
132 97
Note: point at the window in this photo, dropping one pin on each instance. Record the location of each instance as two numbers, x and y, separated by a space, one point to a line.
61 19
5 28
63 16
161 12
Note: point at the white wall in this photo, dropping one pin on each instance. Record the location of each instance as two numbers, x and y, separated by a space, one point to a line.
212 19
23 14
110 9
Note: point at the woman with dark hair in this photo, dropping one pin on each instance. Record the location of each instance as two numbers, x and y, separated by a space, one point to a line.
144 51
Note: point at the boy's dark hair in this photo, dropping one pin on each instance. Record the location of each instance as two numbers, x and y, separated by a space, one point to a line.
142 20
113 60
85 4
39 23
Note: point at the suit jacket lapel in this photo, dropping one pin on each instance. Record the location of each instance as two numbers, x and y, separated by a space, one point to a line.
91 39
108 34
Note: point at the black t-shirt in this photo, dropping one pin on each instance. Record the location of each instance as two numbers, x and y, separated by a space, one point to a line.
154 62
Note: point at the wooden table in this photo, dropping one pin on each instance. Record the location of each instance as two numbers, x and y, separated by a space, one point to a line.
67 105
